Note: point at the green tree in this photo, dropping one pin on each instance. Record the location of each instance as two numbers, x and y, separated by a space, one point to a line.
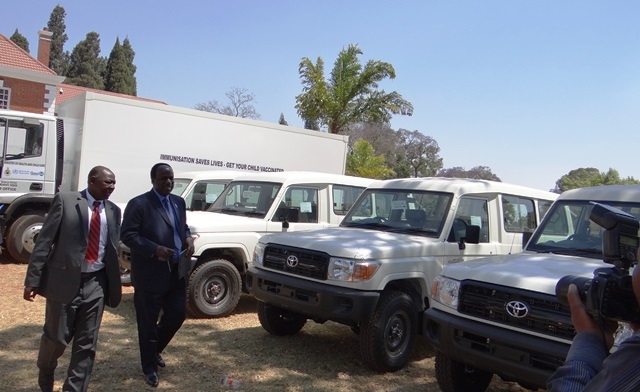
362 162
350 95
58 59
590 176
87 68
119 78
20 40
240 104
383 140
130 55
282 121
478 173
420 153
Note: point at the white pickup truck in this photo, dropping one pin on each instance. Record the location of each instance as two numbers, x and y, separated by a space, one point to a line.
501 316
254 204
374 272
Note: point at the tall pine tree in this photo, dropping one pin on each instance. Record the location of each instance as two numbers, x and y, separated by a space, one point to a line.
119 78
20 40
129 55
58 59
87 67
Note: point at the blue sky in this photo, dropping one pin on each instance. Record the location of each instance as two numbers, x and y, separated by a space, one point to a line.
531 89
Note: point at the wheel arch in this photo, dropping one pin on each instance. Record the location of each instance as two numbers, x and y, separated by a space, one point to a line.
238 256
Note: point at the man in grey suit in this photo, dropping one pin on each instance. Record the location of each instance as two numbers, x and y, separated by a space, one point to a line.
155 228
74 265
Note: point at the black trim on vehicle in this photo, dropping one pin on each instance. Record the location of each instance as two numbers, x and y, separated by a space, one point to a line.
315 300
514 356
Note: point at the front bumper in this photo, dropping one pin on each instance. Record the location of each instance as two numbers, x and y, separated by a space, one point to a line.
514 356
317 301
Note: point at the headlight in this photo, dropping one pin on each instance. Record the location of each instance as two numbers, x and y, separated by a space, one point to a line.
350 270
446 291
258 253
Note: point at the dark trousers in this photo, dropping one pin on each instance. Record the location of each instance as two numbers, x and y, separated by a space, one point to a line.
80 321
154 335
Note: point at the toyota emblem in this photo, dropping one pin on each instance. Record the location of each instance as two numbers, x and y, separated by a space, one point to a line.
517 309
292 261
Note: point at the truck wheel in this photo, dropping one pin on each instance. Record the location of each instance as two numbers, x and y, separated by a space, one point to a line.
386 339
214 289
278 321
454 376
22 236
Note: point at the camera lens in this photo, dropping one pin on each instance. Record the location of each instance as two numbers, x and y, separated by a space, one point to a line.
562 287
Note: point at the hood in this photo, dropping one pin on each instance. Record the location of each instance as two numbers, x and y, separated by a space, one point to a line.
207 222
530 271
357 243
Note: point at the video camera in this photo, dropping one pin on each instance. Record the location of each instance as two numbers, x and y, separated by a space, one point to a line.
609 295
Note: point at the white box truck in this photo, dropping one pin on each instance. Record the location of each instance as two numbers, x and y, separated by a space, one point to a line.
42 154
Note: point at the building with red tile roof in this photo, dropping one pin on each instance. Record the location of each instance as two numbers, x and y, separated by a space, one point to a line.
27 84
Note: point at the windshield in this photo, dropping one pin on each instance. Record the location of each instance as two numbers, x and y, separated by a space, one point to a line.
246 198
567 229
179 185
400 210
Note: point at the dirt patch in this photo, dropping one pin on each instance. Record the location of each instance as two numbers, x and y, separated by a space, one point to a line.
322 357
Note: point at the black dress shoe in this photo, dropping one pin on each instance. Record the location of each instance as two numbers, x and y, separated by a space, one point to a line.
152 379
160 361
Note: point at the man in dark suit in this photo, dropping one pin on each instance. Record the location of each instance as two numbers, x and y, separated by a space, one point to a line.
155 228
74 265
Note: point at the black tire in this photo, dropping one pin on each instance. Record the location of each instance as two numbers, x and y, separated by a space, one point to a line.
22 236
454 376
214 289
278 321
386 339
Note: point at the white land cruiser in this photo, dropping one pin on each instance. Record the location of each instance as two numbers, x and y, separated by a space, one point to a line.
374 272
254 204
500 315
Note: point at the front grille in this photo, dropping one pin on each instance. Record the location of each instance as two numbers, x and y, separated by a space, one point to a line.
545 314
310 264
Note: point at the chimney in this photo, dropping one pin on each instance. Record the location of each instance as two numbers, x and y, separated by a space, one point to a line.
44 46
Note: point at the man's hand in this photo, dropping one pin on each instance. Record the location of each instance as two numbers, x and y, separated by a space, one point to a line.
190 247
163 253
583 322
29 293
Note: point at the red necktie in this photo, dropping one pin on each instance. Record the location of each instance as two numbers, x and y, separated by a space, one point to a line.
94 234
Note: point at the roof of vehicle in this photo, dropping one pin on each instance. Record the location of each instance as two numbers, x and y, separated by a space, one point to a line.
303 177
208 174
462 186
604 193
20 114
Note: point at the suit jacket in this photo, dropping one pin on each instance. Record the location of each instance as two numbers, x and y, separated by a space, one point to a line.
145 225
55 265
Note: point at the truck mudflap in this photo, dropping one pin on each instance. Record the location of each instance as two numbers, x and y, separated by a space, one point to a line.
315 300
514 356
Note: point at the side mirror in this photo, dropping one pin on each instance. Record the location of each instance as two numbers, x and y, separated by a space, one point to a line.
472 236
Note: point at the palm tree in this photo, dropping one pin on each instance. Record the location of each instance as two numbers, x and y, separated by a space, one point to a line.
350 96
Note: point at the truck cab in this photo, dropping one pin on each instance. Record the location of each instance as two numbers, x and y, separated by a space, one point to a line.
29 176
501 316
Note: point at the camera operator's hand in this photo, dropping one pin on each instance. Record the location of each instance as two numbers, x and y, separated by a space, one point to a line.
583 322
